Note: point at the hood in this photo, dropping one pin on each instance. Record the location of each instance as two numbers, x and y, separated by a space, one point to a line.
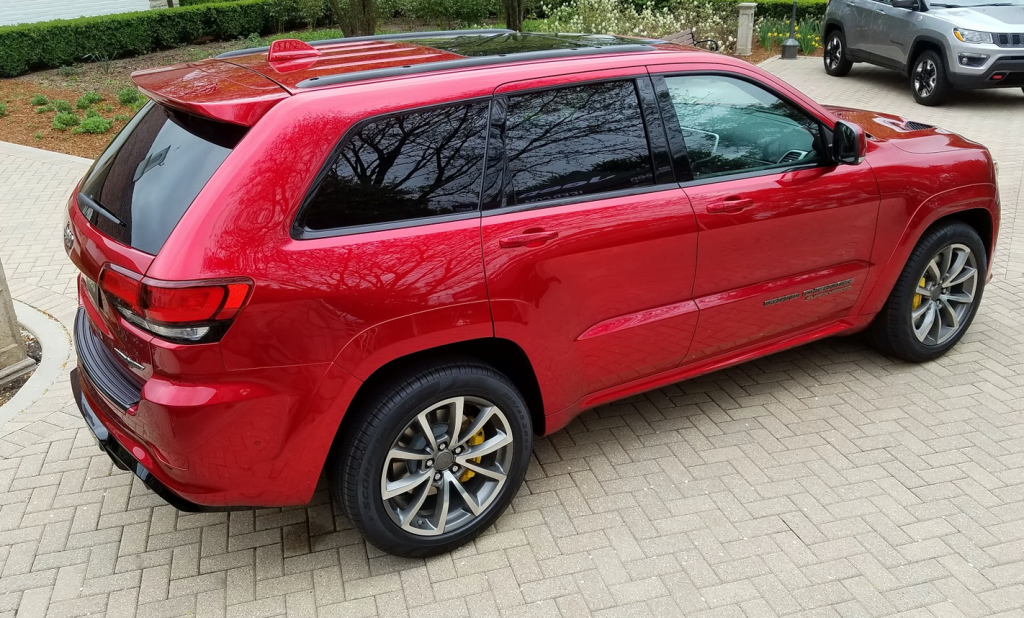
907 135
985 18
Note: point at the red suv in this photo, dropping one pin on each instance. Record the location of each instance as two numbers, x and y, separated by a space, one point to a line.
396 259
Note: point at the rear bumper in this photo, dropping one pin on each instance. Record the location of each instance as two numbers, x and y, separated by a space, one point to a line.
120 455
226 439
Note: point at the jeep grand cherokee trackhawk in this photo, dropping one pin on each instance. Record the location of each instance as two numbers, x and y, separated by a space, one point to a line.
398 258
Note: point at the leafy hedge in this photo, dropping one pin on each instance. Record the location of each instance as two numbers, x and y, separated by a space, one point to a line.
63 42
197 2
782 9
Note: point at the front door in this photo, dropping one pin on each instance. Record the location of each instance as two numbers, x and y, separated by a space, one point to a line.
590 246
785 236
894 33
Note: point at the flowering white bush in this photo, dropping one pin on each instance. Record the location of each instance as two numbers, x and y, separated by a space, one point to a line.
620 17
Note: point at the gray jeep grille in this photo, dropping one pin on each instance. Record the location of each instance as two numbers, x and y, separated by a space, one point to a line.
1009 40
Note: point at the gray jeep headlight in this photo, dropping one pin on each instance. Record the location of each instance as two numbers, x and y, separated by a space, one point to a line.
972 36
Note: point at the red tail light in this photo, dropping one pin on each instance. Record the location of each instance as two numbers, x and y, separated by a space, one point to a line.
183 311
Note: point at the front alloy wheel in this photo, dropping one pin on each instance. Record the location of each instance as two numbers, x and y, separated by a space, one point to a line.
928 79
936 296
945 295
431 456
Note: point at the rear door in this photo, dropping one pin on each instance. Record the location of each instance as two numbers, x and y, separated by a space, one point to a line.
785 236
589 244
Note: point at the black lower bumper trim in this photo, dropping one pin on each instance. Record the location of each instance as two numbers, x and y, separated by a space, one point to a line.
123 459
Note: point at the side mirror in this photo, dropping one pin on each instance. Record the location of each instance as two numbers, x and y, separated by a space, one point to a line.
849 144
912 5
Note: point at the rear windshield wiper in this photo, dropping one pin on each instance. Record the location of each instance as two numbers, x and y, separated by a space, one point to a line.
94 205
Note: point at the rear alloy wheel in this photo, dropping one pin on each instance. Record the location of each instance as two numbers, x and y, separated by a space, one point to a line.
434 459
936 297
836 61
928 79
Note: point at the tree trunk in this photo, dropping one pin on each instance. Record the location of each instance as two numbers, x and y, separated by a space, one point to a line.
515 12
13 361
361 18
170 4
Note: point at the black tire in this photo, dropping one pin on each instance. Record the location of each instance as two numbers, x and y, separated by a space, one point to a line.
928 80
892 330
837 64
357 465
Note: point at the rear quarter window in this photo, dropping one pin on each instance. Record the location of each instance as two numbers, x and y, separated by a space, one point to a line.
140 187
404 167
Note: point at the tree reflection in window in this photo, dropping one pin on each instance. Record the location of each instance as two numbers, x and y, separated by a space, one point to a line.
404 167
576 141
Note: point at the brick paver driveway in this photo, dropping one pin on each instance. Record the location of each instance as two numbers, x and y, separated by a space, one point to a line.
827 480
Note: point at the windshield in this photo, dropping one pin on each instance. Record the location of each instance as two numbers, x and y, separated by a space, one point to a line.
139 188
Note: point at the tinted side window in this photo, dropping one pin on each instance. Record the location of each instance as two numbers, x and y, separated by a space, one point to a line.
575 141
403 167
731 126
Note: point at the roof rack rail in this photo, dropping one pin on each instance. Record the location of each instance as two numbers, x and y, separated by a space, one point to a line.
398 36
463 63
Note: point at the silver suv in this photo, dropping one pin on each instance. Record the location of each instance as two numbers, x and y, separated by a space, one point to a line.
938 45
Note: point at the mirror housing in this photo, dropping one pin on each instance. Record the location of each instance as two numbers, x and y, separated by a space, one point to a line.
912 5
849 144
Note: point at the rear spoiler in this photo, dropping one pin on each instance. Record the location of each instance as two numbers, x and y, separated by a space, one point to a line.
213 89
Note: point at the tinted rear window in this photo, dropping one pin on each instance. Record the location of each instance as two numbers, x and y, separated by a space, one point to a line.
138 189
403 167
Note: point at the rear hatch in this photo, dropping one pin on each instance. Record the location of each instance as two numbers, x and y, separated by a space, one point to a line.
136 192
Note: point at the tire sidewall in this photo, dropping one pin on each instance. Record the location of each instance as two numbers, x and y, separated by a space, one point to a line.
907 342
378 526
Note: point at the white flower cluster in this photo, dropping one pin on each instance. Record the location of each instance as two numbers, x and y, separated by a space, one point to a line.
620 17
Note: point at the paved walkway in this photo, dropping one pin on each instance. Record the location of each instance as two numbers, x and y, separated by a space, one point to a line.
825 481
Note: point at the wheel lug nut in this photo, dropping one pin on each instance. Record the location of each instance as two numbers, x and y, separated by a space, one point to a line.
458 450
437 477
430 463
442 446
455 468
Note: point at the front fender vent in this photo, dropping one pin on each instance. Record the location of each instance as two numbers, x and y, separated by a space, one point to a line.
917 126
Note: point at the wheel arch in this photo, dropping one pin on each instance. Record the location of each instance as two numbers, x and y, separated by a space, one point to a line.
924 42
830 25
974 205
503 354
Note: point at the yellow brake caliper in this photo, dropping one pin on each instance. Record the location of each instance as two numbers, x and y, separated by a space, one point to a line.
477 438
917 297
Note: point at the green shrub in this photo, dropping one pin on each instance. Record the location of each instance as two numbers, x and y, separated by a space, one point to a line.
198 2
108 108
94 124
67 71
38 136
45 108
62 106
38 99
782 9
60 43
3 110
128 96
87 99
122 117
65 120
91 113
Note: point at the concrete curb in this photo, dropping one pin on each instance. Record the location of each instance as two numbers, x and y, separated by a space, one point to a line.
55 341
38 154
